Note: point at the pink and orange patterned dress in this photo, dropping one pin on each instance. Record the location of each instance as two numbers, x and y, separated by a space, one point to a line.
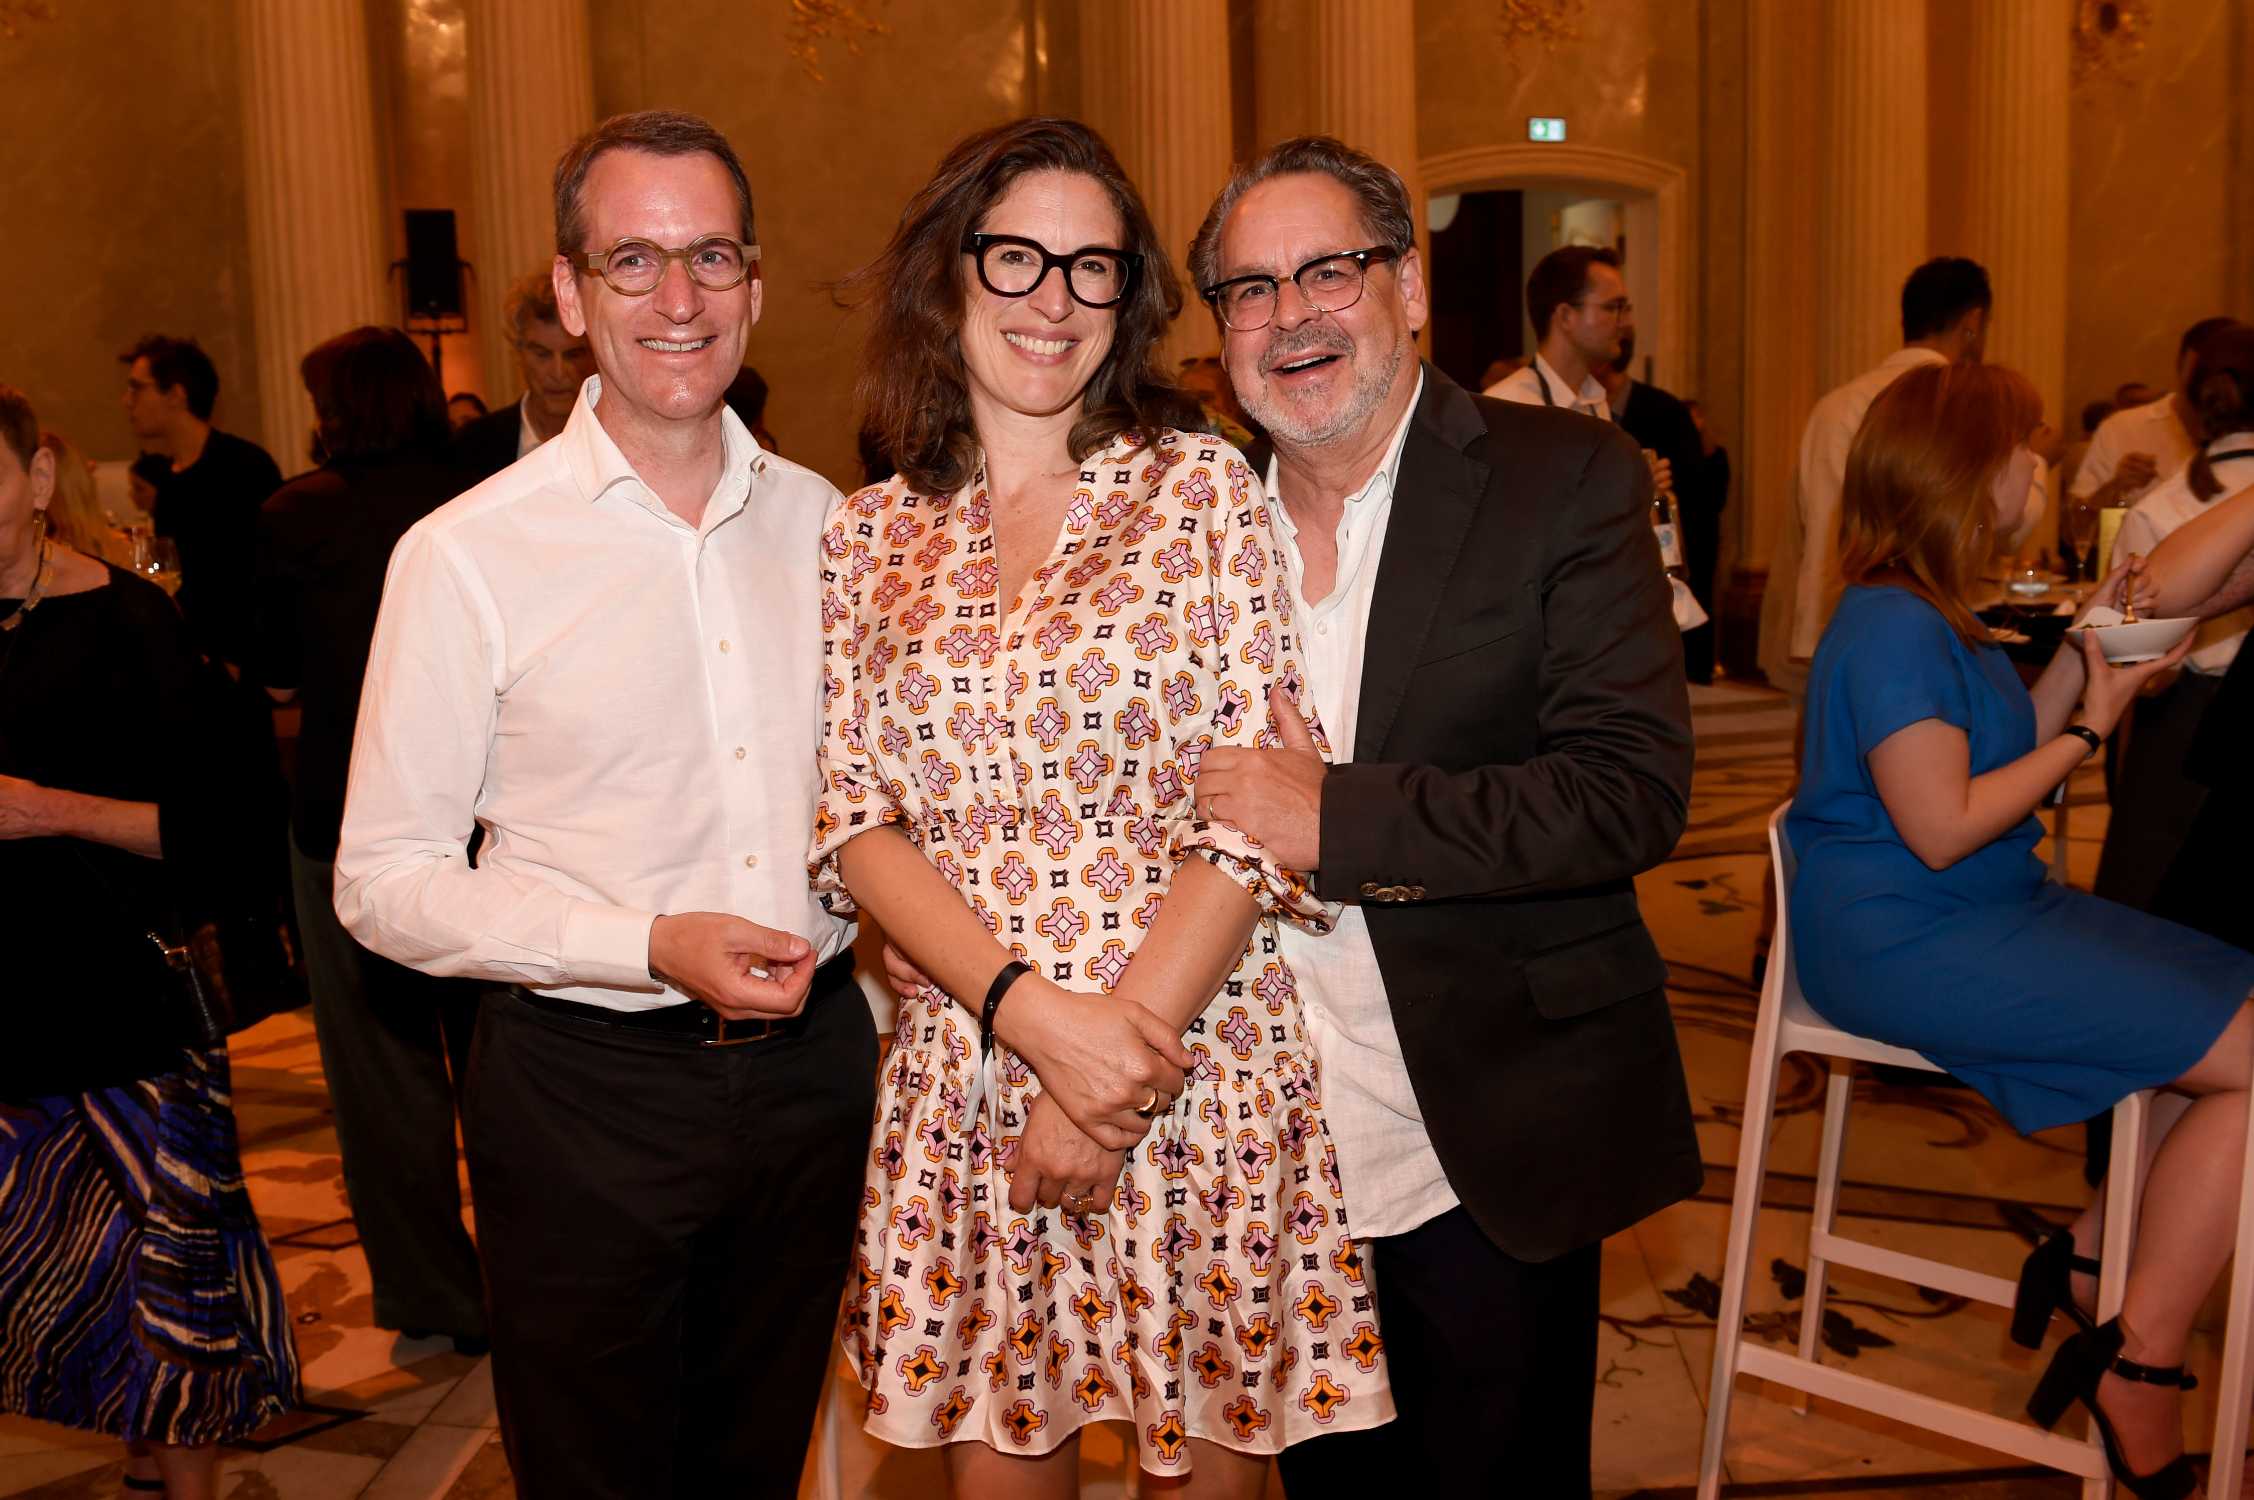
1042 753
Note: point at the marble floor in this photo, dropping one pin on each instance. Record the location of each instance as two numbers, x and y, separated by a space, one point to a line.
1929 1170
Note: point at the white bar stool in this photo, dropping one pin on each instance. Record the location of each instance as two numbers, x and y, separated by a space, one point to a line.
1786 1024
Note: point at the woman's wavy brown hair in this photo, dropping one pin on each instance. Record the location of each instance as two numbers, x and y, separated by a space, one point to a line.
1919 495
914 391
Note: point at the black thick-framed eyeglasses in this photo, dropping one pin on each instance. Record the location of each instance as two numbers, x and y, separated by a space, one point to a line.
1009 266
1328 283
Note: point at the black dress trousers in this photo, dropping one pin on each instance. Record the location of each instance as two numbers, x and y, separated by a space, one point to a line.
667 1230
1494 1365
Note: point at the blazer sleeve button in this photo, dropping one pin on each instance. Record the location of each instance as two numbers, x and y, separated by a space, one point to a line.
1372 891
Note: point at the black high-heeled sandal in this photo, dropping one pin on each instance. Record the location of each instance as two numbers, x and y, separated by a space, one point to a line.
2073 1375
2044 1288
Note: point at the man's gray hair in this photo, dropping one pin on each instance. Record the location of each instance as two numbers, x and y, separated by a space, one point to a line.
1376 187
531 299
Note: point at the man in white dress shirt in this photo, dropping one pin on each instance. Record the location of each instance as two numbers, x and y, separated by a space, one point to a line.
609 658
2138 446
1579 307
1945 307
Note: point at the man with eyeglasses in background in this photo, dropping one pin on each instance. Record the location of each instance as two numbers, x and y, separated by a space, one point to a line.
1487 638
609 658
551 362
1578 304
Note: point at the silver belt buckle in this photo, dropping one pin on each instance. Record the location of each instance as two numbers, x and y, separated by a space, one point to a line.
721 1038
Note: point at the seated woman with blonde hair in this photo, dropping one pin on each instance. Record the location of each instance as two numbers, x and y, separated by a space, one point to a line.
1922 917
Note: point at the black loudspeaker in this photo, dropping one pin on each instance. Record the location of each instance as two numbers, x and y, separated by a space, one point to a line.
434 265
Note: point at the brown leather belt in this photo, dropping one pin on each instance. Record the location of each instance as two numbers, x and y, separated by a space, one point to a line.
695 1024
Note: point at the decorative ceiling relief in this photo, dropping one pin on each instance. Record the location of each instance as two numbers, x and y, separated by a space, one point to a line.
1546 23
814 22
2109 36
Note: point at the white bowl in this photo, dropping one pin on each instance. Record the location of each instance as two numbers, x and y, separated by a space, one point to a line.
2126 645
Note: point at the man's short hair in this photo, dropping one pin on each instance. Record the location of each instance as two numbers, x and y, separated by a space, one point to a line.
1940 292
19 424
1376 187
1560 277
179 362
531 299
660 132
2199 333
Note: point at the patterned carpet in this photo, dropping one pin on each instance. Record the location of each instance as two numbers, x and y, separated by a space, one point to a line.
1928 1170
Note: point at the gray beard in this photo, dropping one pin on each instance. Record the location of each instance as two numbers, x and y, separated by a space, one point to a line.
1280 420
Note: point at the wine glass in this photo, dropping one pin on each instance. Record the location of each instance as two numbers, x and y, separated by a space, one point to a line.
157 558
2079 528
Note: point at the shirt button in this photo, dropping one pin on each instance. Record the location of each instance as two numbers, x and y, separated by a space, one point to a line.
1322 627
739 752
723 648
751 861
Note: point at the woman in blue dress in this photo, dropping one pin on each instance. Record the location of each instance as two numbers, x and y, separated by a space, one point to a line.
1922 917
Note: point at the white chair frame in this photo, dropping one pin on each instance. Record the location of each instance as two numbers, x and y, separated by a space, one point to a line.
1787 1024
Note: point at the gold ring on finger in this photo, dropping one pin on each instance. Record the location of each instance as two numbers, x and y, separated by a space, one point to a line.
1149 1106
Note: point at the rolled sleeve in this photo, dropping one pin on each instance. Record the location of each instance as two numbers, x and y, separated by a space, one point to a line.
1237 618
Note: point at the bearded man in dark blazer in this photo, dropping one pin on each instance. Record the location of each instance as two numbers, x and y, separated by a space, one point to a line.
1488 640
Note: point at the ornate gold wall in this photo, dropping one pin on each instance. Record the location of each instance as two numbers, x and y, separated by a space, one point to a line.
121 197
126 165
830 162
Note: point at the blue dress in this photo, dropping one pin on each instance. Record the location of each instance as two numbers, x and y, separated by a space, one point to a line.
2052 1003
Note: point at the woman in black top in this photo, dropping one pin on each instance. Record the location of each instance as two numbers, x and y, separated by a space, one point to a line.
137 1295
387 1033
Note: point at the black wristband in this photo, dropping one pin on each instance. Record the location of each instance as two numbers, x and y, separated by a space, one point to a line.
1012 971
2087 736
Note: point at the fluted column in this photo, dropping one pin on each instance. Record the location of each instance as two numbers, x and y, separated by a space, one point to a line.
1873 184
1783 155
1155 83
315 244
2015 183
1343 68
532 93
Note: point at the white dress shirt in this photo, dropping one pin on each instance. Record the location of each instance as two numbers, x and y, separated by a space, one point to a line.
2153 428
628 704
2166 506
1807 554
1527 384
527 439
1393 1179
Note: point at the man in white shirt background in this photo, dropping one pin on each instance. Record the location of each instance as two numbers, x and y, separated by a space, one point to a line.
608 658
1945 308
552 364
1579 307
2141 444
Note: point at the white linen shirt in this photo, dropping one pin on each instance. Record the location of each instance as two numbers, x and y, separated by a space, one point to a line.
2168 505
1524 385
627 704
1393 1178
1812 521
2153 428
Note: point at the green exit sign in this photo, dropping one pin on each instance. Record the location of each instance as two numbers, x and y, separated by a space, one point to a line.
1545 128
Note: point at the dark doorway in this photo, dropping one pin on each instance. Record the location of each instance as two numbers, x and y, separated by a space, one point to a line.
1477 276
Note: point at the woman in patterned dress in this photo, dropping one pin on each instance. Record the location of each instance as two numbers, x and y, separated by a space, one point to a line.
1032 634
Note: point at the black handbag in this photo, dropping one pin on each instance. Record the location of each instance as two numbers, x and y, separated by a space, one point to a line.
223 974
